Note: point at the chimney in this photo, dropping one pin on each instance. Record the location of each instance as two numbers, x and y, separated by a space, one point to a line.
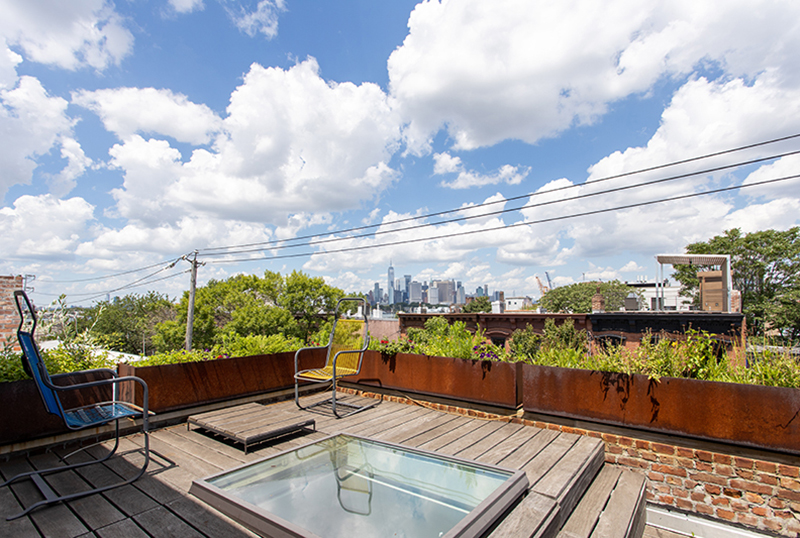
598 302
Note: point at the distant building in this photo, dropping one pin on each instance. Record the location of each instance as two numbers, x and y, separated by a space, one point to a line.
433 295
518 303
414 292
391 283
652 299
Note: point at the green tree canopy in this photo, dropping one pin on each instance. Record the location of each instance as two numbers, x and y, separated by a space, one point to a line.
765 268
577 298
480 304
128 324
248 305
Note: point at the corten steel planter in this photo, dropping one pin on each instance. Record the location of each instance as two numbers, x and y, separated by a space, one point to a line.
745 415
484 382
24 416
178 386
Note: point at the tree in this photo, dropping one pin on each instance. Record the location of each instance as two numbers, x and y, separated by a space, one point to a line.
577 298
480 304
306 298
765 268
128 323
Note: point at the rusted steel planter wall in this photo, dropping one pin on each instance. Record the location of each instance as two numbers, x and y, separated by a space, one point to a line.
485 382
745 415
24 416
177 386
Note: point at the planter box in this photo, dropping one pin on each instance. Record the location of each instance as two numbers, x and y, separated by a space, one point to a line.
745 415
177 386
24 416
483 382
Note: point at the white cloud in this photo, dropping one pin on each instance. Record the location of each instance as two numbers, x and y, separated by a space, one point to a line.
32 122
129 111
185 6
69 35
516 69
77 162
44 227
261 19
8 66
631 267
444 163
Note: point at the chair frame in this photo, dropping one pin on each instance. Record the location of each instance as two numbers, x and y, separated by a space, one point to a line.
331 361
74 418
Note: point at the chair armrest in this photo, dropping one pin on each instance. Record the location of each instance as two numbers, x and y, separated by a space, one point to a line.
101 382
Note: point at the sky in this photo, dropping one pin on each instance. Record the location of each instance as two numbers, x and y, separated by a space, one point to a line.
485 142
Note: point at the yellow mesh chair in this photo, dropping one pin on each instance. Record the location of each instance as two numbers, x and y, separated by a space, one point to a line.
349 339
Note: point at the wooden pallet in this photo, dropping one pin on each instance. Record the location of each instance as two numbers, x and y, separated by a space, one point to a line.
251 424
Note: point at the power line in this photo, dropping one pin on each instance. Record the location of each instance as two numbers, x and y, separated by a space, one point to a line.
510 210
282 242
515 225
132 285
114 275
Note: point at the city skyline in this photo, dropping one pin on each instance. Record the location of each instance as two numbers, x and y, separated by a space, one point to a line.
482 142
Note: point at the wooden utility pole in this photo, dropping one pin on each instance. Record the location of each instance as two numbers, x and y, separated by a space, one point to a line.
190 311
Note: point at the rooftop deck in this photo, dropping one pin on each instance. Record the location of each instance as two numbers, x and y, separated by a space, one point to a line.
561 467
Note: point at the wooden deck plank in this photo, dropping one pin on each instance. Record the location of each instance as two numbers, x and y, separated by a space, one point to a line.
489 442
95 511
458 445
162 522
430 435
127 528
570 477
621 518
379 424
548 457
55 520
508 445
583 519
419 427
525 453
534 516
212 523
19 528
442 440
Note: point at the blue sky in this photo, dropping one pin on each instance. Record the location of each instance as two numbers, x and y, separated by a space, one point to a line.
137 132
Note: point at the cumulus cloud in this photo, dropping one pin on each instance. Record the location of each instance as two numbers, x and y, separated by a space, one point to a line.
129 111
515 69
259 19
70 35
185 6
44 227
32 122
444 163
291 143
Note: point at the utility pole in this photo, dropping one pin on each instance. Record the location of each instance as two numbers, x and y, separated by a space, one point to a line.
190 311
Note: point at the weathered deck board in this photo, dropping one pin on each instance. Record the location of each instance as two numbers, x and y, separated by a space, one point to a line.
582 521
158 504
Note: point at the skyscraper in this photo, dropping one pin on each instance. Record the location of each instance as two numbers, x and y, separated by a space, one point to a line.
391 283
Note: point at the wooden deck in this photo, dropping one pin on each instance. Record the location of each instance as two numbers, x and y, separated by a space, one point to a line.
560 468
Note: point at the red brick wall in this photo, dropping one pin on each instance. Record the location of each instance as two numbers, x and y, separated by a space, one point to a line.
9 318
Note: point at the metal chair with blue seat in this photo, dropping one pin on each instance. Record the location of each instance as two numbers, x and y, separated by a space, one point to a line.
345 351
80 418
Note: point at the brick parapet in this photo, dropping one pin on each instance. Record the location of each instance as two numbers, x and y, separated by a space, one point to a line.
9 318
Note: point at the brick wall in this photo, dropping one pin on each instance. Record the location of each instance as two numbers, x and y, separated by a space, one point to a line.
9 318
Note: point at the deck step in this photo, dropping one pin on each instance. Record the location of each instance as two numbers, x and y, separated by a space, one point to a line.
612 507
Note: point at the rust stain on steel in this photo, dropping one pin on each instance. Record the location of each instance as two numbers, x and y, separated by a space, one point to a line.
487 382
176 386
746 415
